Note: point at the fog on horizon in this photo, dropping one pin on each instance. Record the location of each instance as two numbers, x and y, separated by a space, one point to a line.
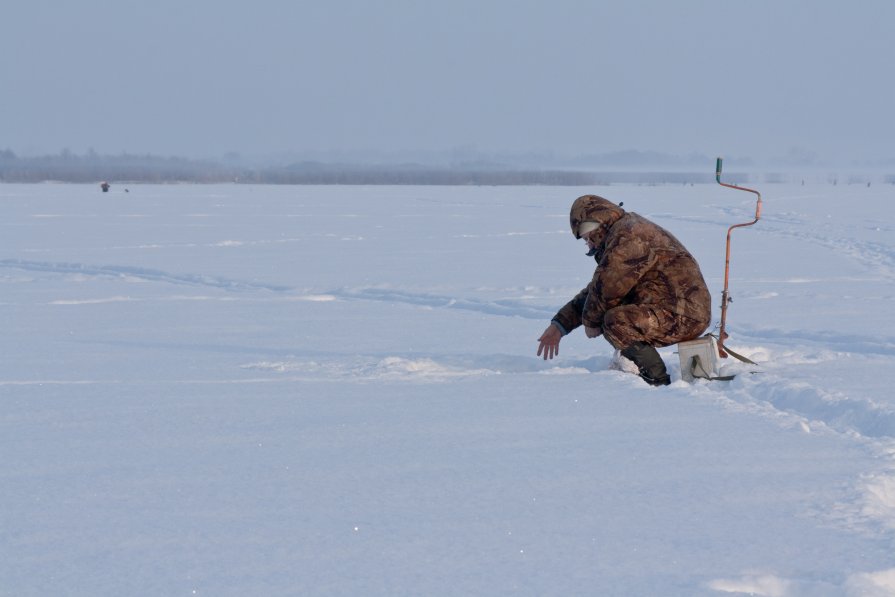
764 80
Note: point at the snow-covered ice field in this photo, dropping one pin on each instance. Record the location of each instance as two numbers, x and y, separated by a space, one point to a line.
273 390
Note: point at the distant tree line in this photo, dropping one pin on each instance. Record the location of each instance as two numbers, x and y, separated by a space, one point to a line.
92 167
419 175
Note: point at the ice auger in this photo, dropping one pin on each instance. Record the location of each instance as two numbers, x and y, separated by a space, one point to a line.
699 357
725 294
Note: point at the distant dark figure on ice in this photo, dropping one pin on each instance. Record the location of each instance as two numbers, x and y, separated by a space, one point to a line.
104 186
646 292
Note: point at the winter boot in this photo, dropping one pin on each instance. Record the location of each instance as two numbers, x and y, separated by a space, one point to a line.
649 363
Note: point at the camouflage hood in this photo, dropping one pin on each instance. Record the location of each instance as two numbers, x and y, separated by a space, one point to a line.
592 208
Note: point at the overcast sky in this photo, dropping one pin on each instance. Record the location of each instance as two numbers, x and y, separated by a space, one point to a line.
201 78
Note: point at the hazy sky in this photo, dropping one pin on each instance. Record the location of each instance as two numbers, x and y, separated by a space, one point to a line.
202 78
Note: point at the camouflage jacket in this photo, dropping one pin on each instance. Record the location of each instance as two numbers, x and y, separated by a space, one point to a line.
639 262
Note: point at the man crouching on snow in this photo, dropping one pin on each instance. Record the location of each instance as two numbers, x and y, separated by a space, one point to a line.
647 290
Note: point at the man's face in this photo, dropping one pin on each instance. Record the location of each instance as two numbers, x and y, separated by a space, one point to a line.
592 239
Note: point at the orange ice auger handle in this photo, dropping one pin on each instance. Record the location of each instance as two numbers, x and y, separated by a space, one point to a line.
725 295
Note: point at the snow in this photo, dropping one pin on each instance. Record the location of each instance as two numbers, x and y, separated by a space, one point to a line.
272 390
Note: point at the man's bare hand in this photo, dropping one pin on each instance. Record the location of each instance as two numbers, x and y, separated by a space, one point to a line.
549 342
